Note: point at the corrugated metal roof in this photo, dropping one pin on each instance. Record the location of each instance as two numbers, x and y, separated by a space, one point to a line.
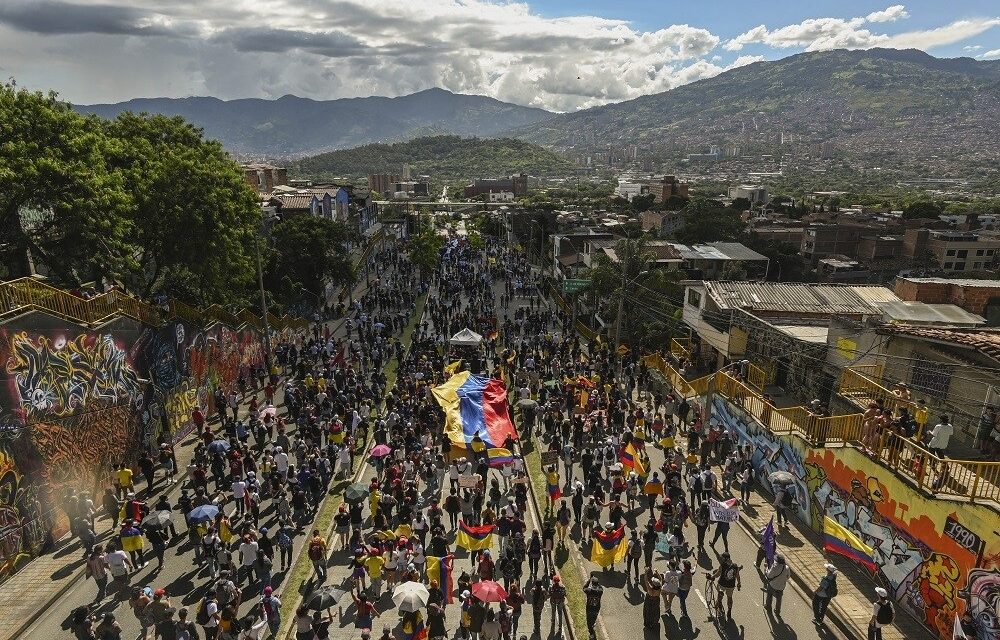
962 282
805 333
736 251
922 313
295 201
799 298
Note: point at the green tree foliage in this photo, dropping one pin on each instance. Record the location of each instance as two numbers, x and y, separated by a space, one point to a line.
62 207
191 212
922 209
642 202
707 220
442 157
307 252
425 249
740 204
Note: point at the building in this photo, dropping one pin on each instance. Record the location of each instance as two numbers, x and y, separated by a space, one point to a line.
841 269
501 196
629 190
820 240
955 251
380 184
755 194
664 223
981 297
518 185
409 189
667 186
264 177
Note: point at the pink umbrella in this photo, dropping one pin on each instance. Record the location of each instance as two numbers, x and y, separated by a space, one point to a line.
269 410
489 591
380 451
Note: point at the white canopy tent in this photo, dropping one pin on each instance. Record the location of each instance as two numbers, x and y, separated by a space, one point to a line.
466 338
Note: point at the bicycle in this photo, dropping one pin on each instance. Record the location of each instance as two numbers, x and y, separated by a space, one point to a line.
712 596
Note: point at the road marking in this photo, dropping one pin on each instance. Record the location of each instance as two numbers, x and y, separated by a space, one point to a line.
701 597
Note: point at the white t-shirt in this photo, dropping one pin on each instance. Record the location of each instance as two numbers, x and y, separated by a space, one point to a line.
117 562
248 551
211 608
281 461
940 435
239 489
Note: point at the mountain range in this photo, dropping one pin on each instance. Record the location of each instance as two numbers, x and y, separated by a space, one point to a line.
293 126
883 108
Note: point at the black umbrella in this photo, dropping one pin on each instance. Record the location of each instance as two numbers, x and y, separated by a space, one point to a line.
156 520
356 493
324 598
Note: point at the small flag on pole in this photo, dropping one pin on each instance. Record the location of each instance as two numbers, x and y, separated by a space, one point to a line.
767 542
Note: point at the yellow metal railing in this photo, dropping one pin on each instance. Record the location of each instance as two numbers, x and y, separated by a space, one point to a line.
680 348
30 294
861 388
972 479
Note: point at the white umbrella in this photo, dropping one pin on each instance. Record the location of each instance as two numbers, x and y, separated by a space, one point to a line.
410 596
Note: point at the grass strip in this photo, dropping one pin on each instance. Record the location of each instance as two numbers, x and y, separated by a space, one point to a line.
576 601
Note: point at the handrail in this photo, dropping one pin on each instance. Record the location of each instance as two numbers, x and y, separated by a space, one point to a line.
859 386
971 479
27 294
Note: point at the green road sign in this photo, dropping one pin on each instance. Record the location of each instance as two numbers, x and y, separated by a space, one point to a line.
570 286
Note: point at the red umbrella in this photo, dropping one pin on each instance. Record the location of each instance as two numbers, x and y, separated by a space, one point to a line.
489 591
380 451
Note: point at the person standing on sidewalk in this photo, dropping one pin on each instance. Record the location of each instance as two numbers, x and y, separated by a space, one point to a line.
825 592
883 613
594 592
776 579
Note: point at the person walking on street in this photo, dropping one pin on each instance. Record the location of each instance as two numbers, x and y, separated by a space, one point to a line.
776 579
883 614
721 531
825 592
317 554
594 592
557 597
97 568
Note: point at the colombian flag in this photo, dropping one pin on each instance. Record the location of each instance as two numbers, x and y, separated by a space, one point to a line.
475 405
453 367
474 538
552 482
500 457
838 539
653 488
440 569
629 457
131 539
608 547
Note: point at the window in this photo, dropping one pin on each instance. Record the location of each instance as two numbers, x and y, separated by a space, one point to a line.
931 377
977 266
979 252
694 298
948 265
959 266
963 253
989 252
950 252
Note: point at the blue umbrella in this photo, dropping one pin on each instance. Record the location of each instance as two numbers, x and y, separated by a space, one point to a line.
218 446
204 513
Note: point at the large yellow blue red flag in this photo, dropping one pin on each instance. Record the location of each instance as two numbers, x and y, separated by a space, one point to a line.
474 538
629 456
475 405
840 540
440 568
608 547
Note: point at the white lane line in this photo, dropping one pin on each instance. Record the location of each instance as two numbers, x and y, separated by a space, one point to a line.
701 597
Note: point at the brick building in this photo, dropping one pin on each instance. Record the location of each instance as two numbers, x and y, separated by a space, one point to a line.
981 297
666 187
264 177
518 185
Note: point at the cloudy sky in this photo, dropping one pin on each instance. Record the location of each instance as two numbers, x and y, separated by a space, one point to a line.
557 54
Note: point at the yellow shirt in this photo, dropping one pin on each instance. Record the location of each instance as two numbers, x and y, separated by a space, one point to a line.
124 477
374 566
321 383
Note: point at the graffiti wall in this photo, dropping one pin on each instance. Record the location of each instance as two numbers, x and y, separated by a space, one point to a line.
940 557
77 402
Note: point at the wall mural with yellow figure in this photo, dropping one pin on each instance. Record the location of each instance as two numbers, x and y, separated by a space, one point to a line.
940 557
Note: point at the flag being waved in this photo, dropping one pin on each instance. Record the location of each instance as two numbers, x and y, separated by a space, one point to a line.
629 456
499 457
608 547
440 568
838 539
768 542
474 538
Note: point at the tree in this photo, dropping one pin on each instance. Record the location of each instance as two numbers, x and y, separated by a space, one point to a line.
642 202
675 203
740 204
192 213
425 250
52 163
708 221
921 209
308 253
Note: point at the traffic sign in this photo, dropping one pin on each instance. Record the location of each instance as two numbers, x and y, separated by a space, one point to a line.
571 286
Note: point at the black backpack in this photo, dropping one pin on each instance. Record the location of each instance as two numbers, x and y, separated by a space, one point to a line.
202 616
886 614
831 588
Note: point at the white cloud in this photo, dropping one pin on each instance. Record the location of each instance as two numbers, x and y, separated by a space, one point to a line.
890 14
972 47
819 34
990 55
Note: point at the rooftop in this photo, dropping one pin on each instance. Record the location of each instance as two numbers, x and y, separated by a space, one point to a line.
906 312
799 298
986 341
961 282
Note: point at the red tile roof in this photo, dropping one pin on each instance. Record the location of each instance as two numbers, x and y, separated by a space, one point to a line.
986 341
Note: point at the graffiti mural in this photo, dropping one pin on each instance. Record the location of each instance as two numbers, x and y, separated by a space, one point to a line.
22 533
933 573
179 403
57 376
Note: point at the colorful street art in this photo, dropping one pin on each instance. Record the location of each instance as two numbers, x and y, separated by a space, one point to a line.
934 575
76 402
